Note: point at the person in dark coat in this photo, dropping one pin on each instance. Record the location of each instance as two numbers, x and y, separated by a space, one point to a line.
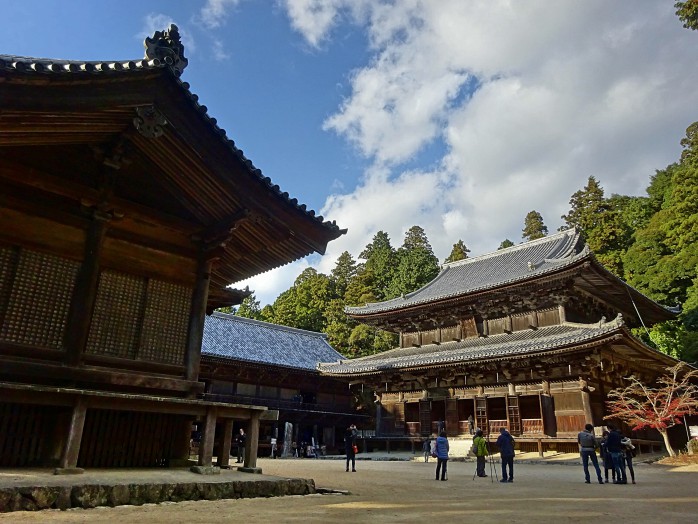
442 449
606 456
629 453
349 443
426 448
614 446
505 443
241 446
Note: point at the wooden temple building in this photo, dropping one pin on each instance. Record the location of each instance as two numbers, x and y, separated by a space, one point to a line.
246 361
125 213
531 337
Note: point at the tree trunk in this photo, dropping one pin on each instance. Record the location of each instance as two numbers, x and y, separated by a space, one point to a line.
665 436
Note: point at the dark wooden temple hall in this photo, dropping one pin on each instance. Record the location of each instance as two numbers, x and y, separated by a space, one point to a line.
531 337
125 213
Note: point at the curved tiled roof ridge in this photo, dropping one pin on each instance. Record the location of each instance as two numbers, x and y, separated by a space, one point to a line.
269 325
552 339
50 66
501 267
563 251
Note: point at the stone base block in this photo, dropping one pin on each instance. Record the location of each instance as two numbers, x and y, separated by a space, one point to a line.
250 470
206 470
68 471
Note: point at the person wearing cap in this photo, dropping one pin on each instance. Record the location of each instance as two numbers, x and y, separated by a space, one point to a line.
480 449
505 443
349 446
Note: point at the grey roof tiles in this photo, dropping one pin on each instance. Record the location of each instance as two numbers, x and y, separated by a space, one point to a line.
527 260
238 338
504 346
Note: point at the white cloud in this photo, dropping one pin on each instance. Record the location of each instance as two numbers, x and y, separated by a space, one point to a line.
215 12
565 90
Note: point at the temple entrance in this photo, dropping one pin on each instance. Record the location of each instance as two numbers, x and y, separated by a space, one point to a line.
412 424
466 411
438 414
531 418
497 414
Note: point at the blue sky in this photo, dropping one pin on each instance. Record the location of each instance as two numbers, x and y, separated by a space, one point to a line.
459 116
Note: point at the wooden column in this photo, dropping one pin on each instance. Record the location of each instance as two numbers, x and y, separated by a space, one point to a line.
197 316
209 433
224 449
586 403
252 443
85 290
71 450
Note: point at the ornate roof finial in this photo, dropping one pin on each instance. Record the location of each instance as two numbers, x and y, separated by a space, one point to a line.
167 47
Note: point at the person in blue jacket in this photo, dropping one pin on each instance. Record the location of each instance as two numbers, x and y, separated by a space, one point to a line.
505 443
441 455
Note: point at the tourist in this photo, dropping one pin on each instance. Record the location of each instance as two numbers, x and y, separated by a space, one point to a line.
629 453
241 446
350 446
426 448
614 446
505 443
442 455
606 456
481 452
587 449
471 424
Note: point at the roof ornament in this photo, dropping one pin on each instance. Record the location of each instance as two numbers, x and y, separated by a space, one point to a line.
167 47
531 266
149 121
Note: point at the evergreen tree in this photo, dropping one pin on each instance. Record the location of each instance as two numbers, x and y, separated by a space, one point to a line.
505 244
533 226
304 305
417 265
381 258
687 11
250 308
344 271
459 252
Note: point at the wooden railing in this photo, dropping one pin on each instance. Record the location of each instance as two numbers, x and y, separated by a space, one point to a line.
532 426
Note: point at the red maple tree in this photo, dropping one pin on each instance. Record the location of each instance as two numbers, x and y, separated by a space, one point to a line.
661 407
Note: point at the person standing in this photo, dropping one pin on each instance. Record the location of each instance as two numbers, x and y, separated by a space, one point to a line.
471 424
587 450
480 449
350 446
629 452
241 446
442 449
606 456
426 448
505 443
615 447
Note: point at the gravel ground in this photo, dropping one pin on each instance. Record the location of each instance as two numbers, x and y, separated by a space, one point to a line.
405 492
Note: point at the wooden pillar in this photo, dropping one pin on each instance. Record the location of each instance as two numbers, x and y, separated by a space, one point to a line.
207 438
71 449
85 291
252 443
224 449
586 403
197 316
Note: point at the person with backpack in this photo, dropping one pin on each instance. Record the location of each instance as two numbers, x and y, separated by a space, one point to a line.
505 443
587 450
480 450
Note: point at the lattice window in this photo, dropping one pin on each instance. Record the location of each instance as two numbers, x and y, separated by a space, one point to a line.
165 323
39 297
116 319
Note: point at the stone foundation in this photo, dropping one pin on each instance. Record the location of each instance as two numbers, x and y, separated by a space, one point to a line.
93 495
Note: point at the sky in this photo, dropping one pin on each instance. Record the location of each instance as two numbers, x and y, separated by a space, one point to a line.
459 116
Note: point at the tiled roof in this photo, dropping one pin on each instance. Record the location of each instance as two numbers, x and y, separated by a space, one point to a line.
82 68
238 338
496 347
506 266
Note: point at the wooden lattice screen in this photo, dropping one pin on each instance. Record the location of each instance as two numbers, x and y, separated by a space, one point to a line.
35 293
139 318
127 439
26 430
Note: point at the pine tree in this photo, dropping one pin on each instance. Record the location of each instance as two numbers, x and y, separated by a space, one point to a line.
459 252
381 260
417 265
533 226
505 244
250 308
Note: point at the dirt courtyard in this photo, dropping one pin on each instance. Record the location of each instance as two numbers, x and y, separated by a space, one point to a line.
404 492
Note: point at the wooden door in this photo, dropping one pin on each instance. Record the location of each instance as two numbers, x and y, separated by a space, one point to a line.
425 416
513 415
452 416
481 414
547 413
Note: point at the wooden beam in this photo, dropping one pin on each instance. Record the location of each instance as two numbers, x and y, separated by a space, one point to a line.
71 450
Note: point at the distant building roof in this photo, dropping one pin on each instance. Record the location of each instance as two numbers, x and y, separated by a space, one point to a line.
237 338
547 340
505 266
